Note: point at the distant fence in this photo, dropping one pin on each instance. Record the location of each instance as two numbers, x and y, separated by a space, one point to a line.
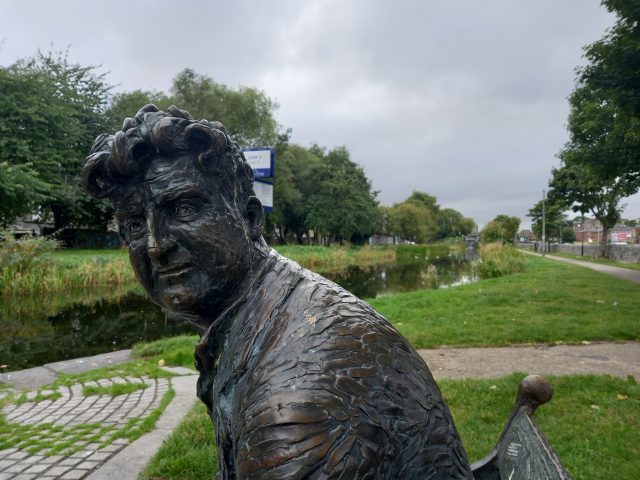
622 253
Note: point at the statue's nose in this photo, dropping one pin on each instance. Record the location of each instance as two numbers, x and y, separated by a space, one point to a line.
157 242
155 248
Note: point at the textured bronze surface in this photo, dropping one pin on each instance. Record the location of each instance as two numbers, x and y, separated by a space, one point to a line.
301 378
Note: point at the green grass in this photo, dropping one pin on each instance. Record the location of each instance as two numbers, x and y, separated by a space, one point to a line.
66 270
603 261
189 453
113 390
173 351
551 302
40 397
592 423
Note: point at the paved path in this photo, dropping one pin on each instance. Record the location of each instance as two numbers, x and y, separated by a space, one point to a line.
72 433
76 435
626 273
602 358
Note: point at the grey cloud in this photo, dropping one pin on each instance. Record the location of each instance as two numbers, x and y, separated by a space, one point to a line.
465 100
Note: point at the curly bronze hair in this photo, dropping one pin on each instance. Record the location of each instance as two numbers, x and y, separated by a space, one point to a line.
118 160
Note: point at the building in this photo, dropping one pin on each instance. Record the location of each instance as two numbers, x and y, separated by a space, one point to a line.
591 231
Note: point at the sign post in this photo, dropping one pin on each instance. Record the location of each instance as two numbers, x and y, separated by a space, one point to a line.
262 161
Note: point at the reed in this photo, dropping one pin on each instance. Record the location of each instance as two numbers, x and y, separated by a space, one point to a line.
497 260
46 276
327 259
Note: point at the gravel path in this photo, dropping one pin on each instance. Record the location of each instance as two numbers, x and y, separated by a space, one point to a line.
618 359
619 272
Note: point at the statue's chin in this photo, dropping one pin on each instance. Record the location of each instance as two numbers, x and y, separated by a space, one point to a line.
178 300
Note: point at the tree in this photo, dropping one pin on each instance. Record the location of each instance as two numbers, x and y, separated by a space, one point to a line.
451 223
246 113
576 185
415 219
605 117
600 165
343 205
52 110
294 185
412 221
126 105
501 229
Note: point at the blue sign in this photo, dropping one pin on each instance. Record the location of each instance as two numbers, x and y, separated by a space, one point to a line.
261 160
264 192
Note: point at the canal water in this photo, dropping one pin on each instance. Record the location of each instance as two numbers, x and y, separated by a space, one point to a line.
46 329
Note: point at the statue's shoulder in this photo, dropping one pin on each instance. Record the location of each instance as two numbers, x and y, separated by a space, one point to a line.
332 386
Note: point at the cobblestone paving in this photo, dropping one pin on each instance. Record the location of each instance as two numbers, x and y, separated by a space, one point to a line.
64 434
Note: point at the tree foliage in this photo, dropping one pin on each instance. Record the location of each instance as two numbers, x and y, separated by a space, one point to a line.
323 191
600 165
246 113
557 225
420 219
503 229
52 110
126 104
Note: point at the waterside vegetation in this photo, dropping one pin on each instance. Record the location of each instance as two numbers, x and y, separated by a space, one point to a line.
38 266
550 302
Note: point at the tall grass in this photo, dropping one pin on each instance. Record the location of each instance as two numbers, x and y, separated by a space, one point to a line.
29 266
326 259
497 260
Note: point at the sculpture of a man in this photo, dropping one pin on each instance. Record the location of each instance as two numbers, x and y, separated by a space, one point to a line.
301 378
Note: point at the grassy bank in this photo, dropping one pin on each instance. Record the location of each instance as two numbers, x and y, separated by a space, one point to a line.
549 302
65 270
590 423
323 259
326 259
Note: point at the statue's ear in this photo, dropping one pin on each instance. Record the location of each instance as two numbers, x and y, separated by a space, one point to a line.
256 217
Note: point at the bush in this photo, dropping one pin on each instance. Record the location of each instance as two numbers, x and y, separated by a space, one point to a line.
497 260
20 255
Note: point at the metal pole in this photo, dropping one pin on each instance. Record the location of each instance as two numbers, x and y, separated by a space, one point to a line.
544 231
582 237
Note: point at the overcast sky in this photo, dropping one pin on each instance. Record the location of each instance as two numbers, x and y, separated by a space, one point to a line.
465 100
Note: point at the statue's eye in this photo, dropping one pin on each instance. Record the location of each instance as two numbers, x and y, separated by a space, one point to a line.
185 211
135 227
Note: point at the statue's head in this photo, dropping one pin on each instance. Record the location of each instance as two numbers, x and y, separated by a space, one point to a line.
184 201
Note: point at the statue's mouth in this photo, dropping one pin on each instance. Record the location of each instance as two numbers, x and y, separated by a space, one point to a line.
173 270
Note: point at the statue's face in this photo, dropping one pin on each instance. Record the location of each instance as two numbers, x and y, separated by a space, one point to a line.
188 243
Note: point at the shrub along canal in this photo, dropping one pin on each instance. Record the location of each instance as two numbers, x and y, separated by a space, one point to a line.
45 329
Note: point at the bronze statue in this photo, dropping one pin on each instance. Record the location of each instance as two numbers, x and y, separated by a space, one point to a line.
301 378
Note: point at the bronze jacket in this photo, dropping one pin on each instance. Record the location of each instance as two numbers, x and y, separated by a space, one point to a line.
311 382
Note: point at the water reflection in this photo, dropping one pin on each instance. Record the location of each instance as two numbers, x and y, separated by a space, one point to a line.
46 329
79 329
388 279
